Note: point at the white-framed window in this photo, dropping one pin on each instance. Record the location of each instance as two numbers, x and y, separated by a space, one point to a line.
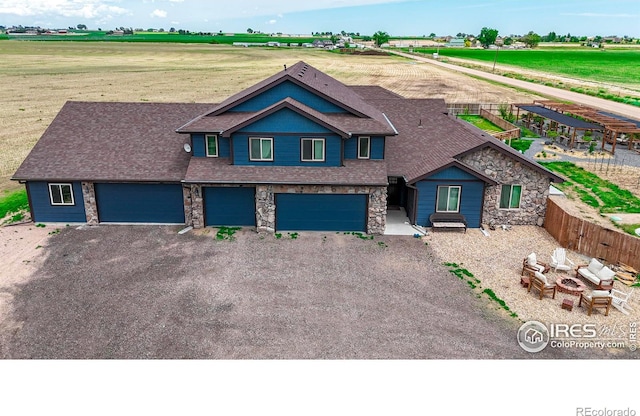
261 148
61 194
364 147
312 150
510 196
211 145
448 199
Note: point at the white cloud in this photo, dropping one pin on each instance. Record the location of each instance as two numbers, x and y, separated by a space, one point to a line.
159 13
272 22
68 8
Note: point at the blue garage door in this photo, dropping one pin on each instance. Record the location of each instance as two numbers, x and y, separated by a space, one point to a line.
321 212
140 202
230 206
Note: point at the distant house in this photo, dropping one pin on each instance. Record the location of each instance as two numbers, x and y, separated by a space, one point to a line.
456 43
296 151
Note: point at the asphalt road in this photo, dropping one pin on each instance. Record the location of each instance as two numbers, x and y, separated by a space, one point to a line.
606 105
146 292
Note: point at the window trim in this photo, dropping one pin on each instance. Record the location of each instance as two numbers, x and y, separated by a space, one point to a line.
60 185
260 159
449 190
206 145
510 185
313 141
368 147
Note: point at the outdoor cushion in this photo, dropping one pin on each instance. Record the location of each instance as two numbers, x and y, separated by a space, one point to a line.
595 266
542 277
606 273
600 293
531 259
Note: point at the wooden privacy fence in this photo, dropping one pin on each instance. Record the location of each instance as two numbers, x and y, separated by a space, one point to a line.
510 131
590 239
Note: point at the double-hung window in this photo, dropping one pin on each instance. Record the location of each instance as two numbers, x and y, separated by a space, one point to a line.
364 147
313 150
510 196
448 199
61 194
212 145
261 148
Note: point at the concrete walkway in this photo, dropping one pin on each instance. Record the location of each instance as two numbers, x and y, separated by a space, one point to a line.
398 223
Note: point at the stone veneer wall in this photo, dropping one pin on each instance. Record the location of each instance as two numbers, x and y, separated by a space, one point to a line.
266 208
90 206
508 171
193 207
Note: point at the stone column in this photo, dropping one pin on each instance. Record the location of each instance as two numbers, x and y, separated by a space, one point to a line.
186 198
377 216
90 206
265 209
197 207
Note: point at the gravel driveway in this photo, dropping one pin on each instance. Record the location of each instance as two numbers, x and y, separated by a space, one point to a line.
146 292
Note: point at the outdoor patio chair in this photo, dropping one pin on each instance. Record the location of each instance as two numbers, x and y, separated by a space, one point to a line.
620 300
530 264
559 260
540 282
598 299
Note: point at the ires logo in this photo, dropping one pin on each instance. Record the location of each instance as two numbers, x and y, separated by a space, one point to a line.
572 331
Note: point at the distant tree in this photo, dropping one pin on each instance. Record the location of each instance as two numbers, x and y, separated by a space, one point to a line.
531 39
366 38
432 35
487 36
249 30
150 29
334 39
81 26
551 37
461 35
172 30
507 41
380 38
161 30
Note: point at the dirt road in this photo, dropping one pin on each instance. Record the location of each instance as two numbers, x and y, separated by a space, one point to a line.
612 106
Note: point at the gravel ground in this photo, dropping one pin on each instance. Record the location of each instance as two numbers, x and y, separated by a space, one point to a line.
146 292
501 272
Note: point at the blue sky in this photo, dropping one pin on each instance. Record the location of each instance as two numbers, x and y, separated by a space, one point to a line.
578 17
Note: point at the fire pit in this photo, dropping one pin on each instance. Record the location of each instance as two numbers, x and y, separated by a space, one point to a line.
570 285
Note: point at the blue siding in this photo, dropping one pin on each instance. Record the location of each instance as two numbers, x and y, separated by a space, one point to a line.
377 147
229 206
321 212
453 173
284 90
286 121
198 145
224 149
470 203
43 211
376 151
140 202
287 150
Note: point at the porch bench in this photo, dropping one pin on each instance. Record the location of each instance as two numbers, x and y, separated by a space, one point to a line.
448 220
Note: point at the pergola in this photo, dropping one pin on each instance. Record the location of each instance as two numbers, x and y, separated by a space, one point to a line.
613 124
559 119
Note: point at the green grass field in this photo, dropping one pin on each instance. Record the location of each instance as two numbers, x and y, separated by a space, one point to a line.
481 123
618 66
163 37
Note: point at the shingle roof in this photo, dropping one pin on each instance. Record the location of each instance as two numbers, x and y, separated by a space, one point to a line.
364 118
220 170
429 139
112 142
341 123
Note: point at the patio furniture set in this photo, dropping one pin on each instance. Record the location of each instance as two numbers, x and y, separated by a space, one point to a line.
604 296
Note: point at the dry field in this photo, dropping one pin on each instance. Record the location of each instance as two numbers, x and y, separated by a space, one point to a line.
36 78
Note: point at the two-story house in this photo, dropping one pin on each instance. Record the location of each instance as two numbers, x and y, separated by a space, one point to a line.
297 151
